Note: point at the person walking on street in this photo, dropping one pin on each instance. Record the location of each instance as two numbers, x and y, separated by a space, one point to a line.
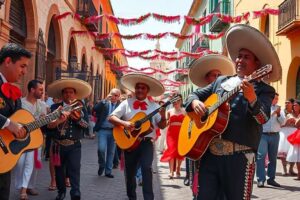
106 142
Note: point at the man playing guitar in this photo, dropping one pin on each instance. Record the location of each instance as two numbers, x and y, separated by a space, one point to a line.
143 86
14 61
229 161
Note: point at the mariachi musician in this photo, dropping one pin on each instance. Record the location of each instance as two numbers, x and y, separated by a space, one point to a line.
204 71
143 86
69 130
229 162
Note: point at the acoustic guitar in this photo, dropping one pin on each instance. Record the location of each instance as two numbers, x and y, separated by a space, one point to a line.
12 148
197 132
129 140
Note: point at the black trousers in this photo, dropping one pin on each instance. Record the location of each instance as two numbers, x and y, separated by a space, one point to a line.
143 155
4 186
70 157
229 175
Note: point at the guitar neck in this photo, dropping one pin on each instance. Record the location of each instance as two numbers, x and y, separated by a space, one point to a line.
223 99
148 117
42 122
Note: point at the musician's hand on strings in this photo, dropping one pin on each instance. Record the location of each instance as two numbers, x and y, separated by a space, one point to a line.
128 125
162 112
199 107
17 129
248 90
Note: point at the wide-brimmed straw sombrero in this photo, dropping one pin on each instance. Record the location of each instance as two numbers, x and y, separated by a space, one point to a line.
83 89
205 64
130 80
242 36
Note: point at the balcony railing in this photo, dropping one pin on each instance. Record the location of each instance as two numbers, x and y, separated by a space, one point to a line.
73 73
288 18
103 43
217 25
180 76
86 8
200 45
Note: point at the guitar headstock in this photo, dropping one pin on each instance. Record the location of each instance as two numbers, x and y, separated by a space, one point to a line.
77 105
172 100
261 72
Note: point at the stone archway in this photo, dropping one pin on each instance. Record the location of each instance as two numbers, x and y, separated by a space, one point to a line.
21 30
293 79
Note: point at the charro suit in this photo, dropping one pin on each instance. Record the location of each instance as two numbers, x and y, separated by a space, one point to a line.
7 108
234 172
67 143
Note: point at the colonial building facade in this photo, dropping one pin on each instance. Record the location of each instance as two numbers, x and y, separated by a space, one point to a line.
57 53
284 33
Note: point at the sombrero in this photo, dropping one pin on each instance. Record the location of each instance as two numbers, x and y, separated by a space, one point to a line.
130 80
83 89
205 64
242 36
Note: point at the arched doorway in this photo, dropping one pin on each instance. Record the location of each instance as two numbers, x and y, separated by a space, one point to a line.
72 58
298 83
51 53
84 66
40 63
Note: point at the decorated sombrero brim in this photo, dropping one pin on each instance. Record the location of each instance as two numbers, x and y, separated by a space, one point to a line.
205 64
83 89
130 80
242 36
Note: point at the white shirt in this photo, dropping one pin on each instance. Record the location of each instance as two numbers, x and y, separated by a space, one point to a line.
37 109
125 111
274 124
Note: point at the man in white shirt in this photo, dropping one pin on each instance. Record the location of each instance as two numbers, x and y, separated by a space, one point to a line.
143 86
269 145
24 171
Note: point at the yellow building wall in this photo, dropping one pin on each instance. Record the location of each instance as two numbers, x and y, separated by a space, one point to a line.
286 48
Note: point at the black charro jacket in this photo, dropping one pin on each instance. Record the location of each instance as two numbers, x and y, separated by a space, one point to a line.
7 106
245 122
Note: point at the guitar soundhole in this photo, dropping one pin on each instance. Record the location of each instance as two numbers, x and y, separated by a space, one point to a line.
137 125
204 118
16 146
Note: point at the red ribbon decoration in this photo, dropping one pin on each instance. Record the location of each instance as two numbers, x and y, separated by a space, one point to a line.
10 91
140 104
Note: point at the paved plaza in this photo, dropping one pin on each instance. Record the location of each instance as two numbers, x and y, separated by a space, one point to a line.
94 187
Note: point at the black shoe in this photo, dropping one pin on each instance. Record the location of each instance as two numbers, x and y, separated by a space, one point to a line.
100 171
60 196
273 183
109 175
115 166
186 181
260 184
75 198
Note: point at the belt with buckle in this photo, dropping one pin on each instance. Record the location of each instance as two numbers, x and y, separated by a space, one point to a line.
270 133
221 147
67 142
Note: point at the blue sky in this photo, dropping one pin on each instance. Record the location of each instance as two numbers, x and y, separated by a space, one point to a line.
136 8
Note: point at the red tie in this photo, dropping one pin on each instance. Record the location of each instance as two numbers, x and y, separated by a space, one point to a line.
140 104
10 91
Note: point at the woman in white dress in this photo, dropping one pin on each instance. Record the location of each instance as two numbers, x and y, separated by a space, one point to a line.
293 154
285 131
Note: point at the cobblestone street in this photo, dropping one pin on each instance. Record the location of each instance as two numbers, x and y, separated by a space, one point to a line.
94 187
